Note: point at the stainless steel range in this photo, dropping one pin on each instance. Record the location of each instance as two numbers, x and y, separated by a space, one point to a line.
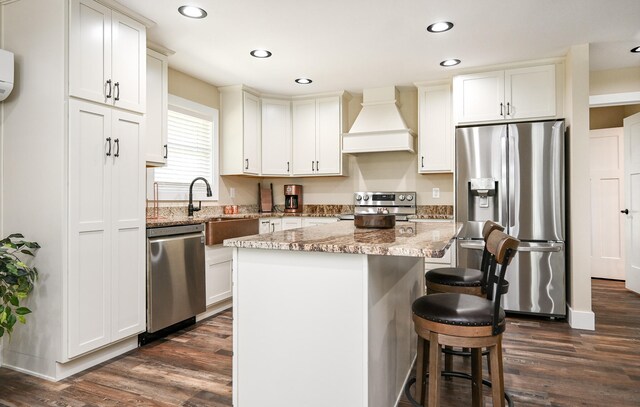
401 204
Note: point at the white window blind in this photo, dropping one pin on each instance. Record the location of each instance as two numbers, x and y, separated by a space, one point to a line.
191 151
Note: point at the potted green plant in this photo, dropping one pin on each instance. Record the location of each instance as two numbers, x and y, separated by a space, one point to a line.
16 279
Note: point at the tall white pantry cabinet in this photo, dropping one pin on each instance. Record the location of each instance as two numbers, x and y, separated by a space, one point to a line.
73 180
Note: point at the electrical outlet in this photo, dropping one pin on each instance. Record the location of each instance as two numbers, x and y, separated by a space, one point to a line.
436 192
232 192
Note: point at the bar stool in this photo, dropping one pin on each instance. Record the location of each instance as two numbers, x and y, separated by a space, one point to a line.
468 321
459 279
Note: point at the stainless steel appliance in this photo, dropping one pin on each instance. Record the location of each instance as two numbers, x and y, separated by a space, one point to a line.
293 198
401 204
175 275
513 174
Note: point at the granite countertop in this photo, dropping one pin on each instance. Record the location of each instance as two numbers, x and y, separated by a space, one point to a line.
414 239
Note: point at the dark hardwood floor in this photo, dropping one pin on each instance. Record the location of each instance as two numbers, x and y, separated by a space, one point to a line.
546 364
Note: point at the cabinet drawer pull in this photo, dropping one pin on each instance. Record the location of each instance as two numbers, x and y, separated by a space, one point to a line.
117 88
108 84
312 169
166 151
317 165
117 141
288 166
246 163
109 141
501 105
422 162
508 108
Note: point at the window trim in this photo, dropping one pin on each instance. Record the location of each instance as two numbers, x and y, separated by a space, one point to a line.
181 192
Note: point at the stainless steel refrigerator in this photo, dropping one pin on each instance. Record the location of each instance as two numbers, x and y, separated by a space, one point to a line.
514 174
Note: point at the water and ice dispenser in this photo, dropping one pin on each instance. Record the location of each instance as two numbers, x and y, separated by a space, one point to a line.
483 199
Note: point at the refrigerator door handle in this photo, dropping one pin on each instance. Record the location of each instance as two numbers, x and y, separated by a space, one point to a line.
514 173
551 247
504 213
472 246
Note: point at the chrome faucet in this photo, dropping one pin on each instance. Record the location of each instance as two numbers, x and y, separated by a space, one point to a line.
191 209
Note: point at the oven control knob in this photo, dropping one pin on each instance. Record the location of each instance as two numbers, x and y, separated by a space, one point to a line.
401 197
409 197
366 197
359 198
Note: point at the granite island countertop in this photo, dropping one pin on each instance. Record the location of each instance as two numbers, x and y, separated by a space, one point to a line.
413 239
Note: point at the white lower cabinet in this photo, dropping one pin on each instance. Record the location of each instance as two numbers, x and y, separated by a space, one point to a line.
106 278
219 261
314 221
291 223
269 225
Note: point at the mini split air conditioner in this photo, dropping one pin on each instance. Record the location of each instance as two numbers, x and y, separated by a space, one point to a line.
6 73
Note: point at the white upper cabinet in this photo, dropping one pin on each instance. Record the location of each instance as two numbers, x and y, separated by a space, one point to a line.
304 136
514 94
435 129
106 56
276 137
240 131
317 136
156 149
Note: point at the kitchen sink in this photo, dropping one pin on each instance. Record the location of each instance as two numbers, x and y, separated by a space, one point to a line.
218 229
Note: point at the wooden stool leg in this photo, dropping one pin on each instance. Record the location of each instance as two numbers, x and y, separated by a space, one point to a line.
476 377
448 362
434 370
419 396
497 378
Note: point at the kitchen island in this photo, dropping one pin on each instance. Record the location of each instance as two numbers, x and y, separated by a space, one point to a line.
322 315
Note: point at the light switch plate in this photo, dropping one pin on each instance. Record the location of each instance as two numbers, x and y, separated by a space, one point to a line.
436 192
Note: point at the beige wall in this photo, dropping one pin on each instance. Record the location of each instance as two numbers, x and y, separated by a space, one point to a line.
578 227
374 171
610 116
614 81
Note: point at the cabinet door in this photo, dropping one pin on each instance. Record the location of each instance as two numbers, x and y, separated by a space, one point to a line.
291 223
317 221
276 137
90 51
156 116
304 137
218 273
329 137
127 194
90 260
435 138
479 97
276 225
531 92
128 63
251 135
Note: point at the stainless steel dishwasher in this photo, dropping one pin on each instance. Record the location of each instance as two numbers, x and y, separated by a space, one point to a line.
175 275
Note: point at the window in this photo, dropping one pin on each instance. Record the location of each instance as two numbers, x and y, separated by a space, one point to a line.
192 152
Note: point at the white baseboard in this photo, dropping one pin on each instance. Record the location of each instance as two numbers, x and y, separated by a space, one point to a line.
215 309
581 319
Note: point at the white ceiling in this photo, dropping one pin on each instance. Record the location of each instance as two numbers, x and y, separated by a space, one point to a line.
357 44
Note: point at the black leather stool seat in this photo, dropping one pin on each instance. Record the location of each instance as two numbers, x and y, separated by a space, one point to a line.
455 276
457 309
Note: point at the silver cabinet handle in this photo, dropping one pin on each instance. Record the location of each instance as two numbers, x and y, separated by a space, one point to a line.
117 88
109 141
312 169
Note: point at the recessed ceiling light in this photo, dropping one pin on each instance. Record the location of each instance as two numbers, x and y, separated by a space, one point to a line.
192 12
440 26
636 49
303 81
260 53
450 62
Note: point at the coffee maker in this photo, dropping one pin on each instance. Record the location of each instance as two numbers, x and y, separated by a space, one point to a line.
293 198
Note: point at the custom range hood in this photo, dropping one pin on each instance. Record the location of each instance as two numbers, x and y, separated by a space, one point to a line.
379 125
